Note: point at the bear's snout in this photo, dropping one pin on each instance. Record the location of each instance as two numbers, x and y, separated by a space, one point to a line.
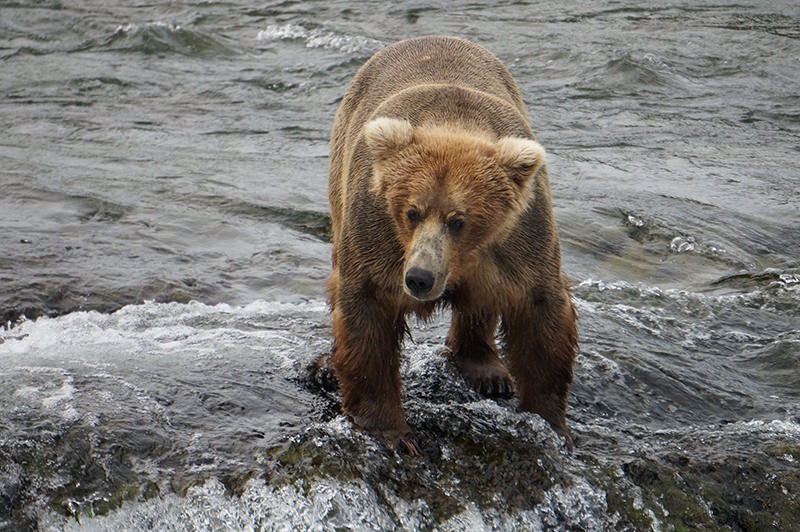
426 264
419 282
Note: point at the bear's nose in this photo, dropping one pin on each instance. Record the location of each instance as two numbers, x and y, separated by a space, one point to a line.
419 281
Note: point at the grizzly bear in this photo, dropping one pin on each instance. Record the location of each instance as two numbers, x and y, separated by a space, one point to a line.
439 196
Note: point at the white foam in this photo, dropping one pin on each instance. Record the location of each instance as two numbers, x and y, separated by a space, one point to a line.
26 392
284 32
149 328
320 505
681 244
65 393
133 28
61 400
320 39
578 503
325 504
776 426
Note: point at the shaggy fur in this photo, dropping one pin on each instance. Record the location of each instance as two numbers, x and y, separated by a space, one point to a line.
434 169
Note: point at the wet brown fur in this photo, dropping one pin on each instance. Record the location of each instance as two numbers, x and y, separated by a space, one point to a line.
504 269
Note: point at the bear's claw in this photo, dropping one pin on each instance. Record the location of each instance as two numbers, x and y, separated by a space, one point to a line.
490 378
398 441
321 374
502 387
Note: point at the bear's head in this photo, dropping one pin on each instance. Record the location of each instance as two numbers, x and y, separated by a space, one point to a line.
450 193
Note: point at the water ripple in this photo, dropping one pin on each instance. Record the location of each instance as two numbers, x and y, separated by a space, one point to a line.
160 38
321 39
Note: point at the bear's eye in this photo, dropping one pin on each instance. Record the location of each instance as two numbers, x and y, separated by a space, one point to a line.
455 224
413 217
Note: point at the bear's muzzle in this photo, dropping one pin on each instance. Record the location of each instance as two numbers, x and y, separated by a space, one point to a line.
426 268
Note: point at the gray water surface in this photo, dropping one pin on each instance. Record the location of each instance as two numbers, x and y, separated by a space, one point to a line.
163 178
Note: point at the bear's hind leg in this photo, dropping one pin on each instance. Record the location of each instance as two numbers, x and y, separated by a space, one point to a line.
471 340
320 372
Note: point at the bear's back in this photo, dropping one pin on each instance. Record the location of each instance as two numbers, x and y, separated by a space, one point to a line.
431 60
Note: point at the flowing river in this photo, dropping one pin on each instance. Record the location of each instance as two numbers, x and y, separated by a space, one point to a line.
165 243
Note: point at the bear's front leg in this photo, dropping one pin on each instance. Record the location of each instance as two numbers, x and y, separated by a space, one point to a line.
541 338
471 340
366 359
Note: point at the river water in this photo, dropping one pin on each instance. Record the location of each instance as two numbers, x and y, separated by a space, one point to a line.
165 241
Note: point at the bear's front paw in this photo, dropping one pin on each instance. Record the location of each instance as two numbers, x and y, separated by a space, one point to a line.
399 440
490 378
395 433
321 374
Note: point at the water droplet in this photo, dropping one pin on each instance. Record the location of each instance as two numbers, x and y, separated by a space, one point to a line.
681 244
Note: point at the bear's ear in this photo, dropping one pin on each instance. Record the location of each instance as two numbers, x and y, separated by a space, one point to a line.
385 136
520 158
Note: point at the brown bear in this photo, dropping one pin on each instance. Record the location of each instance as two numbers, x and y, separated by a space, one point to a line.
440 196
